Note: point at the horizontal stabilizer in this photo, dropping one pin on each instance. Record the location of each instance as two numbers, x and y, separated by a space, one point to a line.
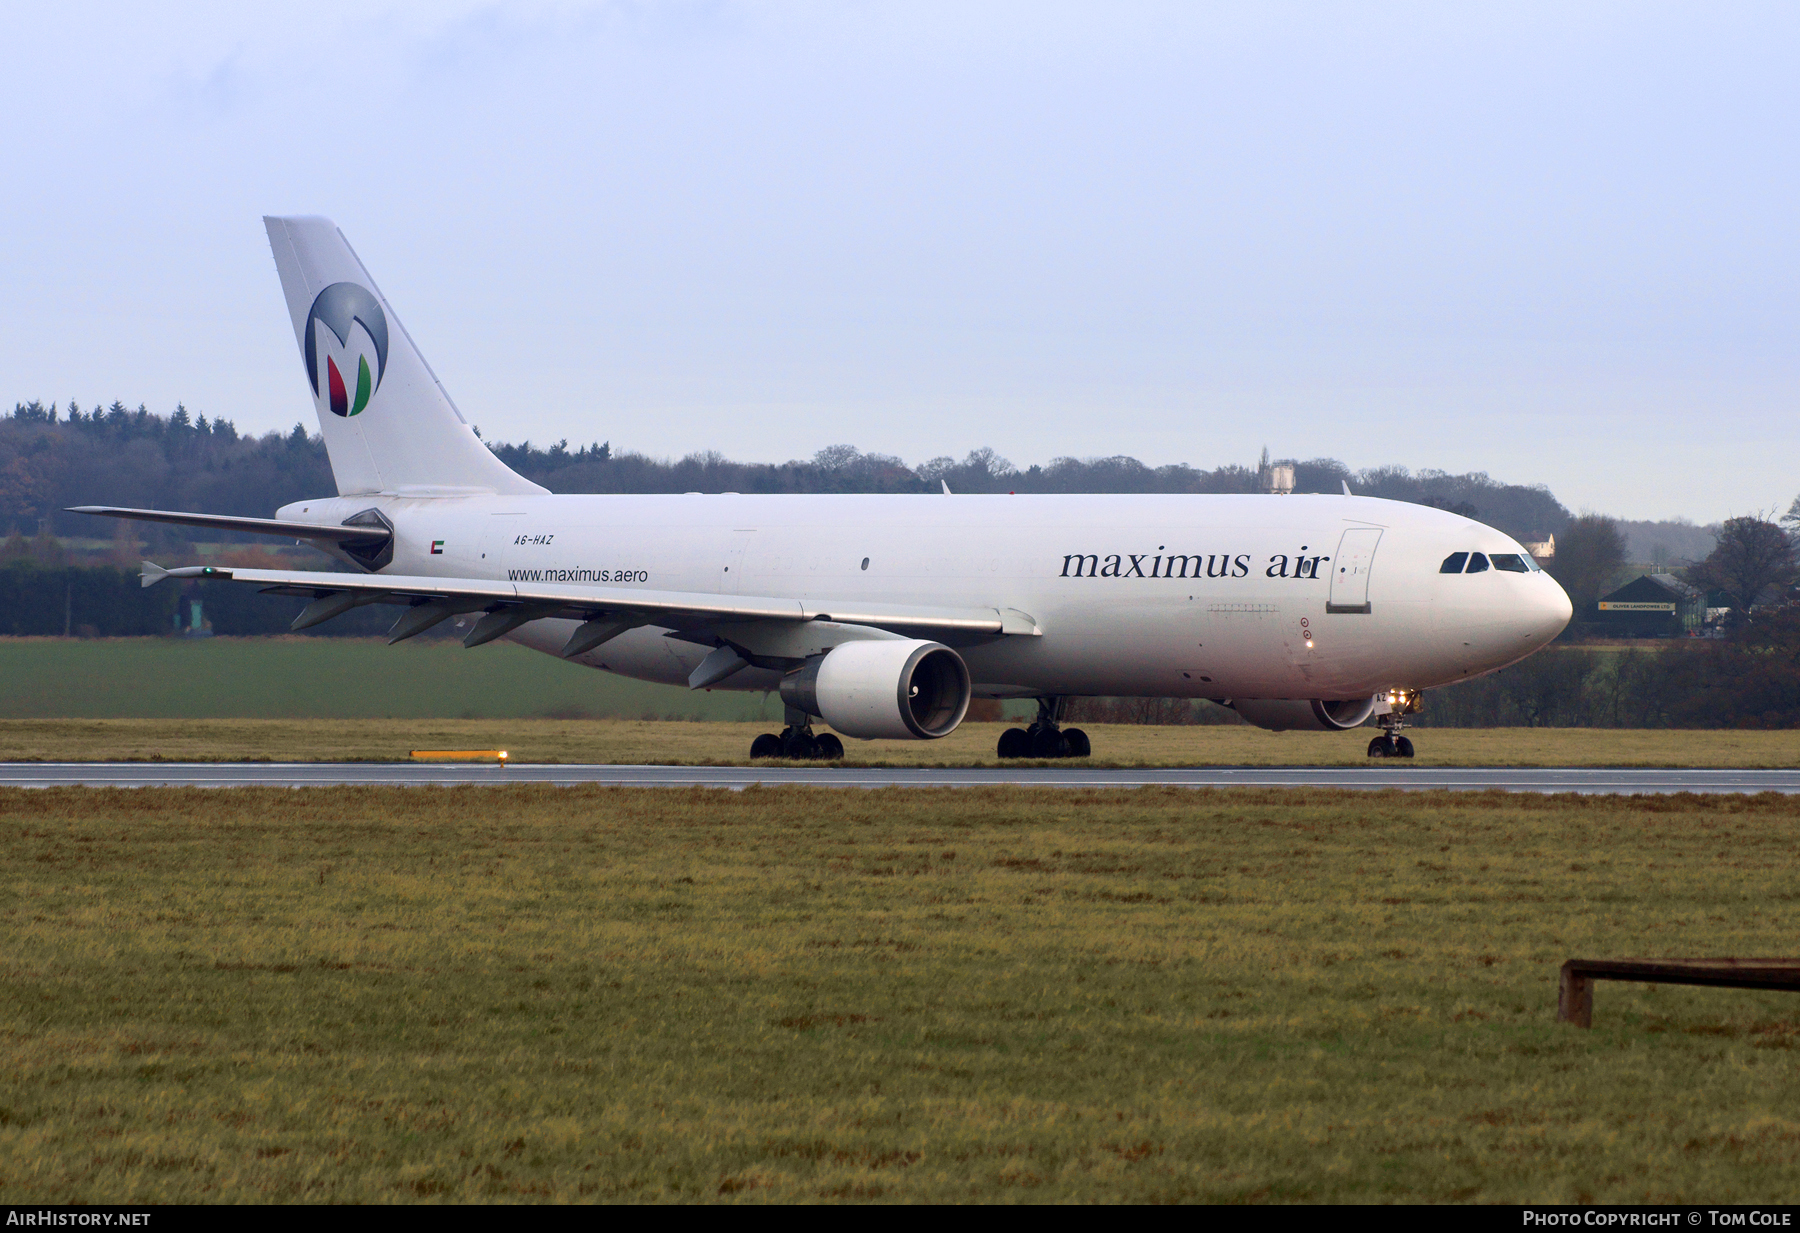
251 526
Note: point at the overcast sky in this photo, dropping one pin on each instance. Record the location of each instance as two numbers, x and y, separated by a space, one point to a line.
1553 242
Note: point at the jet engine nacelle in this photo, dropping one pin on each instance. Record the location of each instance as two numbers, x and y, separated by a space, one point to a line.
1302 714
903 688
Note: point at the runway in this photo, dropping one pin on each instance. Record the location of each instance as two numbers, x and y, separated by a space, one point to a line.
1384 775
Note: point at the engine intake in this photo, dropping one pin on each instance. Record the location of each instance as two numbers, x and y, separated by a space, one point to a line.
902 689
1304 715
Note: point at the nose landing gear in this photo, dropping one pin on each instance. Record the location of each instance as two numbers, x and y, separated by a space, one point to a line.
1390 744
1045 738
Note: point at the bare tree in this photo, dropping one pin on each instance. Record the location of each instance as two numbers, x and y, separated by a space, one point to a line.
1753 555
1791 519
1589 551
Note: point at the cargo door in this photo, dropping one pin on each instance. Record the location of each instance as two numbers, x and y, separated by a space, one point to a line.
1350 571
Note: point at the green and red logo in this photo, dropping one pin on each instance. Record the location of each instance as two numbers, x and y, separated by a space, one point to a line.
340 307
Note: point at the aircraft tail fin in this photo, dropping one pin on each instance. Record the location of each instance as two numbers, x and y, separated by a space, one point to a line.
388 424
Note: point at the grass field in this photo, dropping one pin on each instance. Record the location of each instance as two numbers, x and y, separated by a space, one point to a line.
328 678
772 995
632 741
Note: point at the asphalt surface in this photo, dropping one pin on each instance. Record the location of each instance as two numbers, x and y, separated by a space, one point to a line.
1383 775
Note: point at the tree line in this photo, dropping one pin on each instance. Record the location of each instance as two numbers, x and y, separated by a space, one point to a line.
118 456
1528 512
1748 679
53 457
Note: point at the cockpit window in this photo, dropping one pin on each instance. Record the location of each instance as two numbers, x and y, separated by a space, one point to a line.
1511 562
1453 564
1477 563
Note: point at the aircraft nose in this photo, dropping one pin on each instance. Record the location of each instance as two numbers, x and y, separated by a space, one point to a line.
1554 610
1535 611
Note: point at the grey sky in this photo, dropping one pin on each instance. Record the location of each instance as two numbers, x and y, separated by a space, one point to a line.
1553 242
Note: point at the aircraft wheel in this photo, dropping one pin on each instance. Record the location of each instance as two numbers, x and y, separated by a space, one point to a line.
799 746
1378 747
1406 748
1078 743
830 748
1049 743
768 745
1014 743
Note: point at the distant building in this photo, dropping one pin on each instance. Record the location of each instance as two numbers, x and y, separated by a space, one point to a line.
1543 550
1653 606
1278 479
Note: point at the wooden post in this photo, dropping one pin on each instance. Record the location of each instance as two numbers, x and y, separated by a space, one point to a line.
1575 997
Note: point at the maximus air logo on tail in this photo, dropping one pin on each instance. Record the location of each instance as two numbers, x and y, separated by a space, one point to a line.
340 307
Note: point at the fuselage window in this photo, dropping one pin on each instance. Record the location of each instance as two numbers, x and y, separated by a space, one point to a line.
1511 562
1477 563
1453 564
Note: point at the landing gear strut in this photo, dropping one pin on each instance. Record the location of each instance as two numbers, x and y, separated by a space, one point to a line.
1046 738
796 741
1390 744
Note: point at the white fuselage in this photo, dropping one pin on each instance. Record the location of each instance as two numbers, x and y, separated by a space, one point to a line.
1170 596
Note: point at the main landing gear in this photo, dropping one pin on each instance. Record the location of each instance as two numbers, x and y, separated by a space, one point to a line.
797 742
1045 738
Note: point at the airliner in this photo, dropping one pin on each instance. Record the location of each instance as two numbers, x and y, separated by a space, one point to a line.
877 617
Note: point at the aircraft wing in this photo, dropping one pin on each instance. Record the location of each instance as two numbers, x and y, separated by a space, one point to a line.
511 604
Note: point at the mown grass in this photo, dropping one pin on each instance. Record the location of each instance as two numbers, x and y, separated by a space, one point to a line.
973 744
564 994
323 678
